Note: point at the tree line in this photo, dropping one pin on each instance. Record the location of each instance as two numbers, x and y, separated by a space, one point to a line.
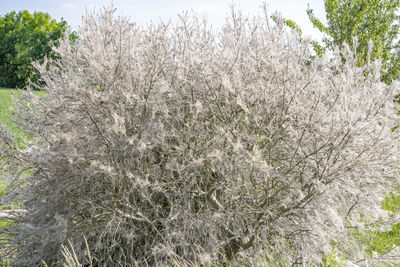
26 37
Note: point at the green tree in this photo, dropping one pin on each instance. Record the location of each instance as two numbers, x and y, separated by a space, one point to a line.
24 38
317 48
371 22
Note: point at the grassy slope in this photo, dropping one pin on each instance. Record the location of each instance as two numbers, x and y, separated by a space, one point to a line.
5 103
5 113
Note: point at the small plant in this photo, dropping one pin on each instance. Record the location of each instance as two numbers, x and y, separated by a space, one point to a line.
178 143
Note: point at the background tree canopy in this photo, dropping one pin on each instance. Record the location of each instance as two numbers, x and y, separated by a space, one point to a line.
368 20
25 38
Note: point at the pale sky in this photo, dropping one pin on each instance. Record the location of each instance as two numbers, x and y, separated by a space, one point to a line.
146 11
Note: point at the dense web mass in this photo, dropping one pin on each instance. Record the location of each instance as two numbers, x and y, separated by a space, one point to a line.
178 143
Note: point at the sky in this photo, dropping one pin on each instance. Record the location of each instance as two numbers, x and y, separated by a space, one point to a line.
146 11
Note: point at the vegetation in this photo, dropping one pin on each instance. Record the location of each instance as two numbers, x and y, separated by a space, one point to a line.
5 103
235 213
371 29
374 24
24 38
178 144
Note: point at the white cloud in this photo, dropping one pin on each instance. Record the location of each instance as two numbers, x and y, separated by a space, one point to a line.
67 5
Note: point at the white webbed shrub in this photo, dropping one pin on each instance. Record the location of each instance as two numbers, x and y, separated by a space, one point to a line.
170 142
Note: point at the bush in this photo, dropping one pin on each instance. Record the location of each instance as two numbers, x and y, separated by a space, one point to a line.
166 143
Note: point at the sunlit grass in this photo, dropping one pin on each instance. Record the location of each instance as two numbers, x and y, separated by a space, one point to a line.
6 111
5 104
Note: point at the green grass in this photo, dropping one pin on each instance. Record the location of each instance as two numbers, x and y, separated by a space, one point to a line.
5 115
5 104
5 223
3 187
6 110
3 192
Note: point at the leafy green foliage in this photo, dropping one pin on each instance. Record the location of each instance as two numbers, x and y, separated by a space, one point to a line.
382 241
392 202
332 260
372 22
317 48
379 241
24 38
288 22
